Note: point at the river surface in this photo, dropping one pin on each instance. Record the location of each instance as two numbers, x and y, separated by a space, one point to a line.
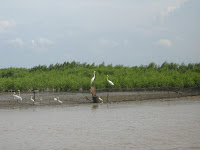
156 125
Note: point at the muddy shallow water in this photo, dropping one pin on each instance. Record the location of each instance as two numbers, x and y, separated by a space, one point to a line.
137 125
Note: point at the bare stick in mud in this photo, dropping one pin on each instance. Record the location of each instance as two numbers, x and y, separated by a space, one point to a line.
94 97
87 98
34 95
107 95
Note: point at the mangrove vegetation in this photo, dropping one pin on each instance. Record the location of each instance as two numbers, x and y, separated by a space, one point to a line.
74 76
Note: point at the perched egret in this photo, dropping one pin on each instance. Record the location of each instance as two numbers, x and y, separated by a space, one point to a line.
93 77
32 100
110 82
17 97
55 99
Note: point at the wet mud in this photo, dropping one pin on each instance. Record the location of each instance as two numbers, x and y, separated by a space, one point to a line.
85 97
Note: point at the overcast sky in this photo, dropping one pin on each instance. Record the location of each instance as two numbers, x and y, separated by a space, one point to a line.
128 32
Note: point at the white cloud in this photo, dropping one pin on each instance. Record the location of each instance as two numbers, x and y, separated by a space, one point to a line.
18 42
104 42
125 42
33 43
45 42
72 33
109 43
40 43
172 7
114 44
5 24
168 10
164 42
179 38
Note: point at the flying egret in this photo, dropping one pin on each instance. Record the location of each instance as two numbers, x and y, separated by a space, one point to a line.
93 77
110 82
59 100
17 97
32 100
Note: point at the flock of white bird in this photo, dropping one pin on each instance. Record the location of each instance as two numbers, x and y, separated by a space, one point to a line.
110 82
18 97
57 99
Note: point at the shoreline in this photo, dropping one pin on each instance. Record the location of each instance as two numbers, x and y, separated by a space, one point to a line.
80 98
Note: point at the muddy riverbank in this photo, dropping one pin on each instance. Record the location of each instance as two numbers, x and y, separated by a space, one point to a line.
108 96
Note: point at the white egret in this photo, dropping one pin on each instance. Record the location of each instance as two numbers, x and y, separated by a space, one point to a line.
93 77
32 100
100 100
55 99
17 97
110 82
40 100
59 100
14 96
19 93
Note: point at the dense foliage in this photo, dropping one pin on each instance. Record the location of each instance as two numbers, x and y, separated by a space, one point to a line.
74 75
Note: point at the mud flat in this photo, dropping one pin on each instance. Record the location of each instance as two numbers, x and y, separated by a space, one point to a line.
108 96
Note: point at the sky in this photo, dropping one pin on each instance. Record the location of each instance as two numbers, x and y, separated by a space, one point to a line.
117 32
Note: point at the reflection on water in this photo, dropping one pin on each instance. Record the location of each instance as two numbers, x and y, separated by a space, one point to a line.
95 106
139 125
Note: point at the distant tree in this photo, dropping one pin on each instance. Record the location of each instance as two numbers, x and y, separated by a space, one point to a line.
182 67
190 66
93 65
110 65
173 66
152 65
102 65
51 67
165 65
73 64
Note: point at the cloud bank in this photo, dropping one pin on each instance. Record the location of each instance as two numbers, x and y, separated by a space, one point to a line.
6 24
164 42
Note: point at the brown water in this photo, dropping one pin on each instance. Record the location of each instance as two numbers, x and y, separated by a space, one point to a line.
172 125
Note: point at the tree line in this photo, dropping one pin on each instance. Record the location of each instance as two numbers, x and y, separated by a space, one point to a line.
75 75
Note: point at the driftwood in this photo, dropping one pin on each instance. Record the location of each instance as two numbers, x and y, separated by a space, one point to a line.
95 98
93 90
